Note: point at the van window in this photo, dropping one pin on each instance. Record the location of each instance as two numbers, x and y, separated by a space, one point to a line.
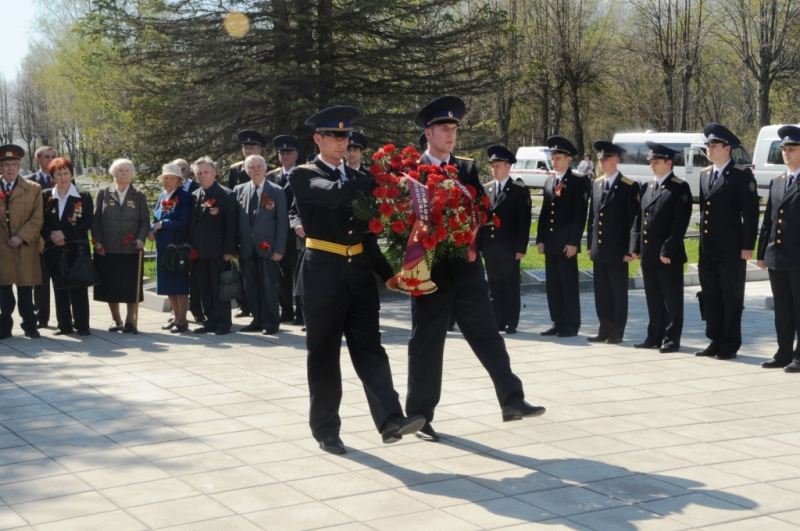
541 165
741 156
775 155
638 152
700 160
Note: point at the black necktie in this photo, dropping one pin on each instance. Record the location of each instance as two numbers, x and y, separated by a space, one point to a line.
606 187
713 179
253 206
791 180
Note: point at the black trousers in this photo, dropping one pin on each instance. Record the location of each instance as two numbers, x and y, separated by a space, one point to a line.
611 298
261 290
430 314
722 284
217 311
563 297
26 309
195 299
357 317
504 290
241 302
786 294
41 296
288 265
663 289
72 306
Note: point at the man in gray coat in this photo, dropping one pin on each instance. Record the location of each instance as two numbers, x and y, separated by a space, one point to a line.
263 227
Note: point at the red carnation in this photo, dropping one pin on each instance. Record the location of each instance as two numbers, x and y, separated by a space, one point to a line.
398 227
380 192
386 209
413 174
437 218
471 190
429 242
128 239
375 169
408 151
412 282
452 202
264 246
417 293
484 218
496 220
411 219
389 148
440 233
462 217
459 238
403 205
468 237
453 222
193 255
393 192
485 200
376 226
449 168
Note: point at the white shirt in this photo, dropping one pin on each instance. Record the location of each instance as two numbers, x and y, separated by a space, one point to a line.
187 184
340 167
62 201
501 185
168 195
436 161
610 180
661 180
796 174
719 170
122 193
288 172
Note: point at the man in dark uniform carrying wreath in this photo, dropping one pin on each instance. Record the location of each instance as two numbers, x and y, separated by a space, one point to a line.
338 288
462 290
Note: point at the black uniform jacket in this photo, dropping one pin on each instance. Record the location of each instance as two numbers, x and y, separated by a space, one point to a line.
563 217
448 271
75 228
214 222
728 213
662 221
779 244
513 208
237 175
608 232
323 207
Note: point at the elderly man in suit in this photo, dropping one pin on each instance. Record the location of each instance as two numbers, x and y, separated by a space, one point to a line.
214 227
41 293
779 251
21 219
263 229
504 244
195 304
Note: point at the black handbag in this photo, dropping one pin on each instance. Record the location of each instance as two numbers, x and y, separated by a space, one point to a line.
229 287
176 255
81 273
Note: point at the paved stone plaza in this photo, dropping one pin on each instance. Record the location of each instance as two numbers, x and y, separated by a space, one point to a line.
118 432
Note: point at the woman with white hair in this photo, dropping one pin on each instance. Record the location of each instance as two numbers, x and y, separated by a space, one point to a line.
121 223
171 225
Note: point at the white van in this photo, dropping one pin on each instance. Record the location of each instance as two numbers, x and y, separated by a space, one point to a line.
690 160
533 166
767 158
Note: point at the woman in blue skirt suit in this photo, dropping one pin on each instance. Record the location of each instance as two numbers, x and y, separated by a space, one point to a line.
171 224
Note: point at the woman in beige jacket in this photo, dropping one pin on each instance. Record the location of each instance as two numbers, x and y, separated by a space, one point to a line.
121 223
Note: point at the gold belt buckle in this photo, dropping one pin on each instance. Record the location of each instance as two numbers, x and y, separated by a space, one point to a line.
347 251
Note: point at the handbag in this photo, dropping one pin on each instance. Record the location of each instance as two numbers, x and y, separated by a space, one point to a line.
176 255
81 273
229 287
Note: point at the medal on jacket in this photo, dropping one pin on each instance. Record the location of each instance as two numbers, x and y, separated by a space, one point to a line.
559 187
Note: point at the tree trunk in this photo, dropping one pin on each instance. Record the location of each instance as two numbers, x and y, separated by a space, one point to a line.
576 119
670 97
684 101
764 111
326 52
545 112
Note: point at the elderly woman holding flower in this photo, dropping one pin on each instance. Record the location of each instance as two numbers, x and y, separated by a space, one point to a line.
121 224
171 225
67 220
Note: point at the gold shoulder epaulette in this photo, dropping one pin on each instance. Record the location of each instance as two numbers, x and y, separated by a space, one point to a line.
626 180
465 158
517 183
741 167
309 166
677 180
237 164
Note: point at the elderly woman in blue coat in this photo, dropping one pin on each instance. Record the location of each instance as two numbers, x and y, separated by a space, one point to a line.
171 225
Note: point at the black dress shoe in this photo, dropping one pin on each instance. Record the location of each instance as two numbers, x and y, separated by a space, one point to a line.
667 349
33 334
793 366
553 331
427 433
168 326
270 332
63 332
84 333
298 322
201 330
128 328
710 351
286 317
567 334
42 324
725 356
179 328
222 331
303 329
645 344
333 444
614 340
520 409
198 318
773 364
451 328
250 328
394 429
511 330
242 313
115 326
597 339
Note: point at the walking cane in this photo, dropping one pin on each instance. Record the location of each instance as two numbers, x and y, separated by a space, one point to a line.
138 287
